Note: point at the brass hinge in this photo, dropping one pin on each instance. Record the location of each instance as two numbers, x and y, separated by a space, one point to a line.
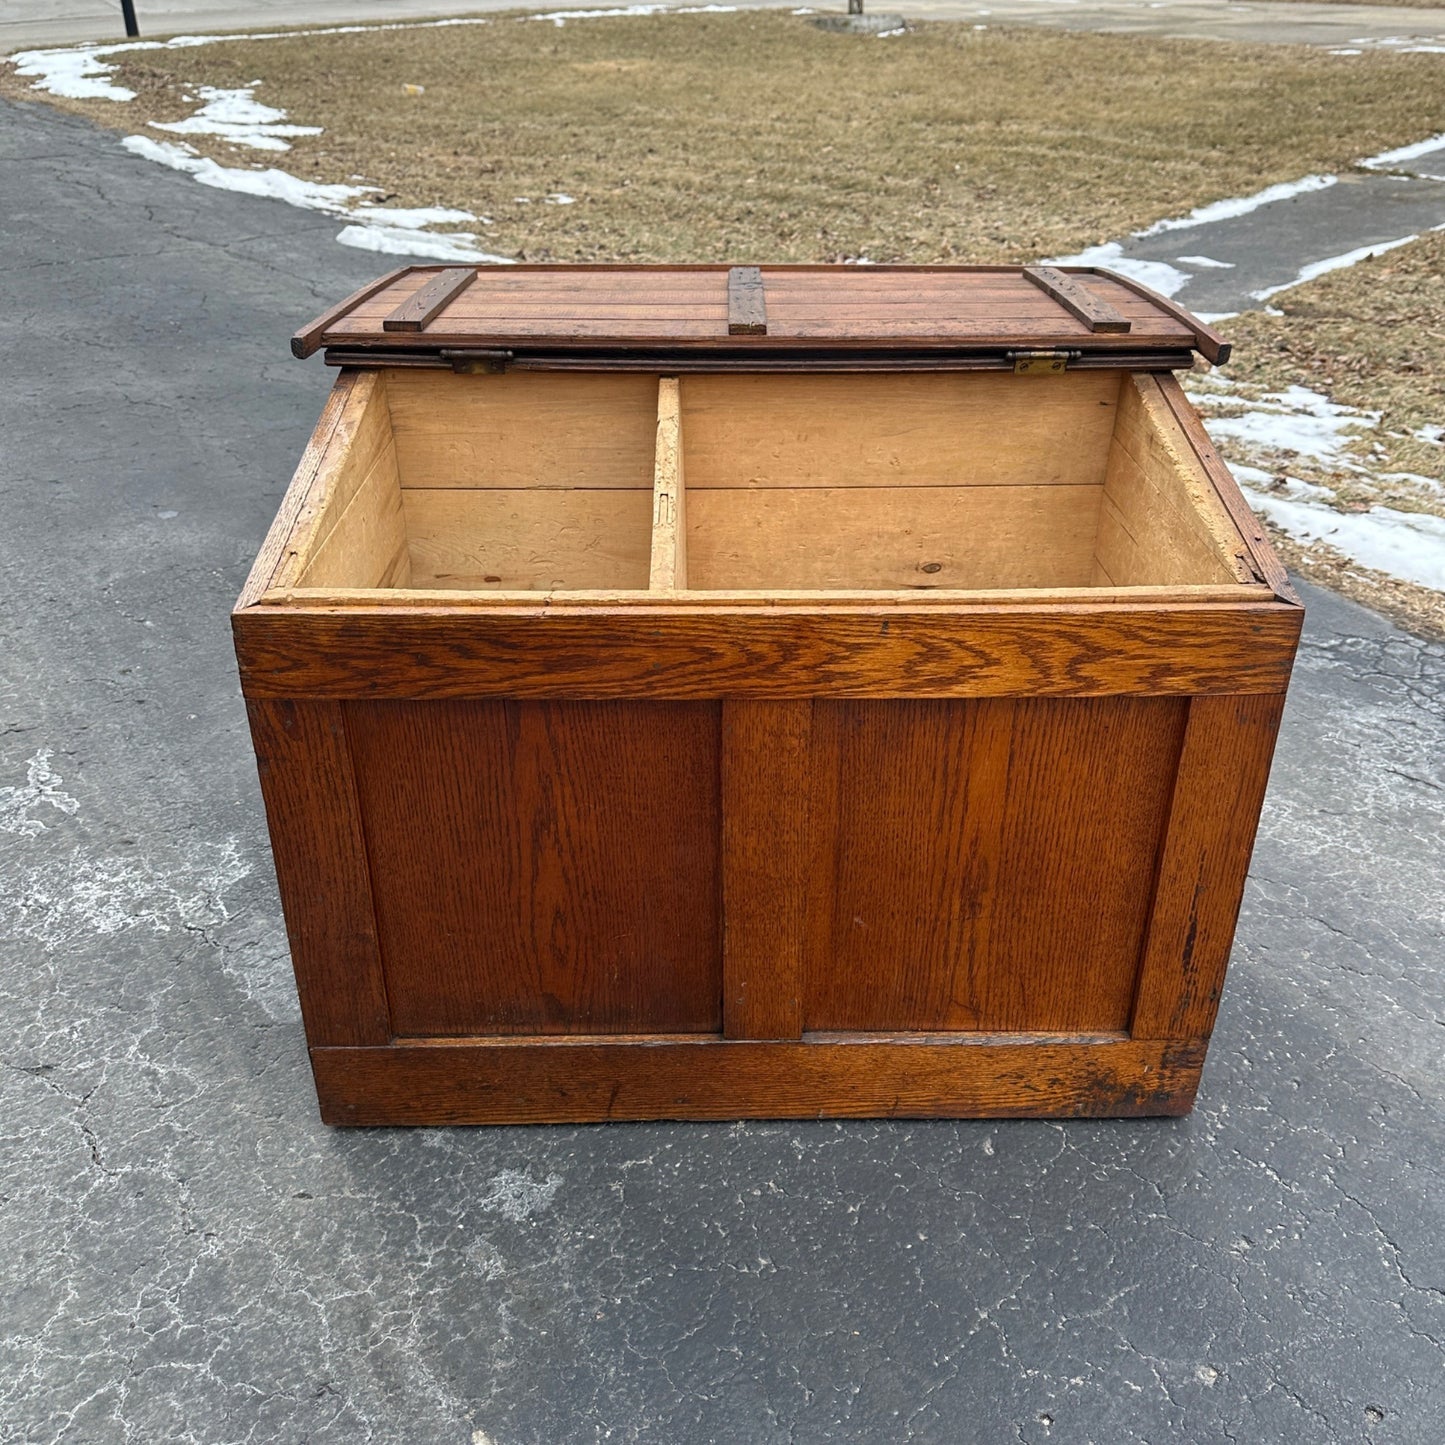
472 362
1040 363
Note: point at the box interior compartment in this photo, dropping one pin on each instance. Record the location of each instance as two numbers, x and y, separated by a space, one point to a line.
629 481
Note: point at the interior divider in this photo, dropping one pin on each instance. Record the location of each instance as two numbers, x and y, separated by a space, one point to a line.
669 527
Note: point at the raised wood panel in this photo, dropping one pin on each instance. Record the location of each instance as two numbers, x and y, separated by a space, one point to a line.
490 540
544 867
919 430
984 865
792 650
524 429
853 538
540 1081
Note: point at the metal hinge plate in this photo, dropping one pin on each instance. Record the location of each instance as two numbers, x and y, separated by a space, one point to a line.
1040 363
474 362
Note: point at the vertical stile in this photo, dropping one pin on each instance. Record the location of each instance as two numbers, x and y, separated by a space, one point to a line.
766 771
669 523
1218 793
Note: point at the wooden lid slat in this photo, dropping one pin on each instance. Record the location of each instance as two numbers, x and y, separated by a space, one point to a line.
1076 299
425 305
747 305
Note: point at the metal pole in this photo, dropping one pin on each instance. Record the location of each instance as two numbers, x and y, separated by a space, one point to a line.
127 9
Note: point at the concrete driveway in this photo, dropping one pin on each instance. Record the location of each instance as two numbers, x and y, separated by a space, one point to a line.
187 1255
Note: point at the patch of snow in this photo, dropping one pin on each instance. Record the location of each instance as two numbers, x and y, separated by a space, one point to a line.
1158 275
1240 205
1409 546
1296 420
272 184
903 30
238 117
405 241
1210 317
1208 262
1332 263
415 218
1431 435
1347 51
1386 160
560 198
77 72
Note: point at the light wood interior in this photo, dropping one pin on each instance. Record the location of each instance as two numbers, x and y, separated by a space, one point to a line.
532 482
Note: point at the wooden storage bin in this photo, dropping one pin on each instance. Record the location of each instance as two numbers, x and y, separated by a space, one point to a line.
663 719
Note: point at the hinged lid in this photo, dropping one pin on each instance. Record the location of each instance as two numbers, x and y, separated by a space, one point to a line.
476 318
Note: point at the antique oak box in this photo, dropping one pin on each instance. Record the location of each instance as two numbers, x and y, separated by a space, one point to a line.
707 692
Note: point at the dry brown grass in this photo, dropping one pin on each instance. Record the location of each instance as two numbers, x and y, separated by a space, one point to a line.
757 135
1371 337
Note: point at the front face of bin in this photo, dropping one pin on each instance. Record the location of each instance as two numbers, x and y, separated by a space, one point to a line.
746 742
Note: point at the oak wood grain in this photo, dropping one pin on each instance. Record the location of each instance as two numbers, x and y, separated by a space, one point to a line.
766 763
949 887
535 1081
1213 816
544 867
782 651
317 841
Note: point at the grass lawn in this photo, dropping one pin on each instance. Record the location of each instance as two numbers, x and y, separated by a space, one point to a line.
1371 337
758 136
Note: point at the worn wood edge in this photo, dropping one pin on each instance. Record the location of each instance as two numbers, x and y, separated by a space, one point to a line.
422 307
1158 651
1077 300
668 569
747 302
1250 528
584 599
308 339
1200 497
367 392
590 1080
262 576
1210 344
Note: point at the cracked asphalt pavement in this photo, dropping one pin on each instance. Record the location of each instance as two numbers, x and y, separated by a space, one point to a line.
187 1255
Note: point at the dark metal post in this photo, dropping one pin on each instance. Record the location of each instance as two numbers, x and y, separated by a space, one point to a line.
855 7
127 9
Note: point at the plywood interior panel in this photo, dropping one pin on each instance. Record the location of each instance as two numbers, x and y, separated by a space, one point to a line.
545 867
980 865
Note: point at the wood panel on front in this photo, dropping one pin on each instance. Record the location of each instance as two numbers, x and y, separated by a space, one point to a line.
544 867
984 865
